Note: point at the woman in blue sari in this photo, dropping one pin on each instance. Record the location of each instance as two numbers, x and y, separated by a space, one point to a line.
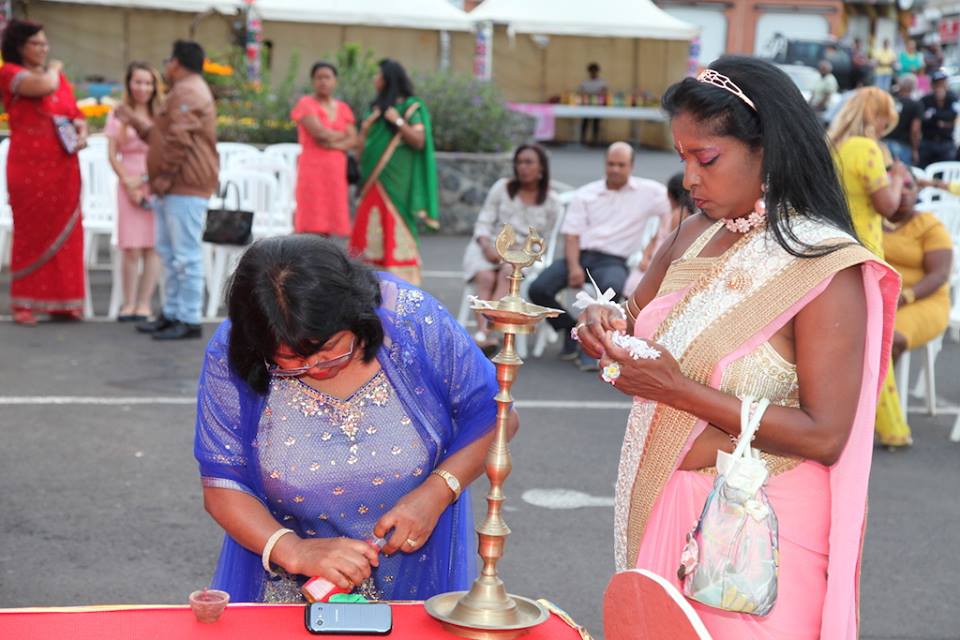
342 405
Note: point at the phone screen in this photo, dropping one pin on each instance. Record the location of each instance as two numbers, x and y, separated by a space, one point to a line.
357 618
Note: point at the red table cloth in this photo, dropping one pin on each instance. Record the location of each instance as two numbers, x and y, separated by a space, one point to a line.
238 622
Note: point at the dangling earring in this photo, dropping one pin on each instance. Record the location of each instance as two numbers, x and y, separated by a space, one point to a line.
760 206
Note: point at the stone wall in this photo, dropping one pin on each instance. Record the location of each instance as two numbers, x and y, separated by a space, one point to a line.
464 180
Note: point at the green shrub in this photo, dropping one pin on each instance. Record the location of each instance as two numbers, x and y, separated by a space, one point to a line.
470 115
255 113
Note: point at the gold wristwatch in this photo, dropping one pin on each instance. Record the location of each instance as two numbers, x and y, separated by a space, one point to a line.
452 483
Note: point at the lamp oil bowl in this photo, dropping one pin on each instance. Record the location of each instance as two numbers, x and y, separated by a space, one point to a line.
208 604
487 611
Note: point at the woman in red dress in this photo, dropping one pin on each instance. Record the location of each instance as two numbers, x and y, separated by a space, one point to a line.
325 129
43 180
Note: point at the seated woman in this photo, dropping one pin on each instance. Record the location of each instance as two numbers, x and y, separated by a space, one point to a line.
681 206
523 201
919 247
343 405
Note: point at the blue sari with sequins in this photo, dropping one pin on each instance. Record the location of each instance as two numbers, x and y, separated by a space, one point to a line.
445 385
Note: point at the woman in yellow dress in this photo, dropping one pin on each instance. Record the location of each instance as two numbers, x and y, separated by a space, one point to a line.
873 194
919 247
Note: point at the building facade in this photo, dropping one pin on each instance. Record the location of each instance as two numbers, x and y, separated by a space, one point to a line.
751 26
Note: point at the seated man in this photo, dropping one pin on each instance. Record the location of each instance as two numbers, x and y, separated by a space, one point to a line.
604 224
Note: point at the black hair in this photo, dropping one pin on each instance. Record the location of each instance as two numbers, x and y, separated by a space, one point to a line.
396 87
298 291
593 67
15 36
679 194
323 65
189 54
543 186
798 169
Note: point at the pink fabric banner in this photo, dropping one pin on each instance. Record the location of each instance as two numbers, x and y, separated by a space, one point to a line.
546 119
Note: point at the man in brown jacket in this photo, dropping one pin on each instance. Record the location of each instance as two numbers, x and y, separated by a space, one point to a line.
183 165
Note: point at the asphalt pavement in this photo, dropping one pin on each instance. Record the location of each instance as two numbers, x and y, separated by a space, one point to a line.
101 501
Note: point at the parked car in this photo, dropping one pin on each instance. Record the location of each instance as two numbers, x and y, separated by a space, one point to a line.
809 53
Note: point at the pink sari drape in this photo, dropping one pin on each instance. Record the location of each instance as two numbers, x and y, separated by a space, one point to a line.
822 511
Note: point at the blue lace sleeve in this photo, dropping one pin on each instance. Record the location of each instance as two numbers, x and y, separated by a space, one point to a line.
219 443
464 375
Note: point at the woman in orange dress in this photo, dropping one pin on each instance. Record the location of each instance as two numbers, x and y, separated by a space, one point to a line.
43 179
325 129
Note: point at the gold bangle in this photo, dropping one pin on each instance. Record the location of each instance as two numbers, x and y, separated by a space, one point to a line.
630 313
909 295
268 548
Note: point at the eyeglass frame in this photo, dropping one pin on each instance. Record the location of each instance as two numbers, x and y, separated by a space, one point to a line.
275 371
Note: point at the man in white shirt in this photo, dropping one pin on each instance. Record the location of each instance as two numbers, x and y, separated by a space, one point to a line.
604 225
824 89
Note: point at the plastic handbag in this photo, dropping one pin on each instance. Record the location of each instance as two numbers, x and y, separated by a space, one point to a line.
228 226
67 134
731 559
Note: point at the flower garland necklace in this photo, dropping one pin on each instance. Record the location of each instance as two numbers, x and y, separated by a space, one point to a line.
756 218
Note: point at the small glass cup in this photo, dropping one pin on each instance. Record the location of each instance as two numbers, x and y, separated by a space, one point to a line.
208 604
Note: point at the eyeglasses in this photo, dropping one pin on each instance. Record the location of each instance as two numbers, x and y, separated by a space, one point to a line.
277 372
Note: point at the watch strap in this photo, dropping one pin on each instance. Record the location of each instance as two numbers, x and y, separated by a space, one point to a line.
451 480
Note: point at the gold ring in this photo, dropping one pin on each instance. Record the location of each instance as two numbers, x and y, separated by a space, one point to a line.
412 542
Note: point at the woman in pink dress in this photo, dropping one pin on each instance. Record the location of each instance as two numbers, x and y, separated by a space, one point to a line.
765 292
325 129
135 225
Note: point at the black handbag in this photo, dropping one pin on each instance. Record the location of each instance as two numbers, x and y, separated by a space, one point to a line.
353 170
228 226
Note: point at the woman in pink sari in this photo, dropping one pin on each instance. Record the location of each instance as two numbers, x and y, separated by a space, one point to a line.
765 292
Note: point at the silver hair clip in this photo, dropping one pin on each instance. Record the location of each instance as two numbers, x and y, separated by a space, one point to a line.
709 76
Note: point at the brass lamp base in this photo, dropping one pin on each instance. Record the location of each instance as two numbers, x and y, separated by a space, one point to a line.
480 624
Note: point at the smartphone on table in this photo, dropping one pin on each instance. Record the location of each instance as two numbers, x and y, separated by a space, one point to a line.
349 618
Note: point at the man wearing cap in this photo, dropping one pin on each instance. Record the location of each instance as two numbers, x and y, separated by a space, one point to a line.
939 119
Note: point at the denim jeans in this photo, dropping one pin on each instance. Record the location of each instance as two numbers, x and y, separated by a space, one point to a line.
609 271
179 222
900 151
883 81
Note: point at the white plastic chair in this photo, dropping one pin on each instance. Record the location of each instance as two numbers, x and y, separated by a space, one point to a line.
288 152
98 202
927 382
948 212
6 214
228 152
255 191
947 171
285 198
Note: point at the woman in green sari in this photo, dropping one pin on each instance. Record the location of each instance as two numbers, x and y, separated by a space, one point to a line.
399 176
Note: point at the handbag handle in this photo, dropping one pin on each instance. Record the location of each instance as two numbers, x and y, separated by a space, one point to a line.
749 424
225 193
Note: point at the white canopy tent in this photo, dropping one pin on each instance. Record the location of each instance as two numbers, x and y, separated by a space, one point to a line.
594 18
413 14
98 37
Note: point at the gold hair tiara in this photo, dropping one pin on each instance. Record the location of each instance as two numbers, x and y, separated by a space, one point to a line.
709 76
